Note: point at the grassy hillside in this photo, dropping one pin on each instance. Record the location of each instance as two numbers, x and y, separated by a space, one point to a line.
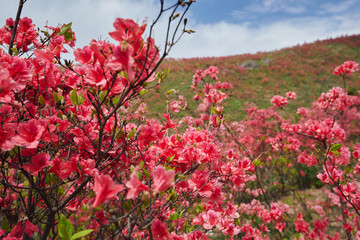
305 69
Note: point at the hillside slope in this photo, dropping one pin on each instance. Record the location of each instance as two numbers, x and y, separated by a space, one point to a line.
305 69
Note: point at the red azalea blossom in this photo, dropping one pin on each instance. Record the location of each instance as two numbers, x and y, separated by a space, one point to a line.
38 163
17 231
135 186
63 169
30 228
211 218
105 188
347 67
163 179
291 95
301 225
127 29
28 134
279 101
159 230
7 131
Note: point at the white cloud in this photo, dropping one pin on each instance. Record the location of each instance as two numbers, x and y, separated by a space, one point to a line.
344 6
222 39
274 6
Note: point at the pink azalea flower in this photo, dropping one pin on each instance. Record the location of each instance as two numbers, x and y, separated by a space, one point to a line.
231 210
302 111
95 75
44 56
300 224
30 228
163 179
291 95
170 123
159 230
28 134
63 169
279 101
347 67
232 230
84 55
105 188
127 29
7 131
38 163
211 218
135 186
17 231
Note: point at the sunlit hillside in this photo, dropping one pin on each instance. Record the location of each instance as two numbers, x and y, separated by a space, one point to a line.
305 69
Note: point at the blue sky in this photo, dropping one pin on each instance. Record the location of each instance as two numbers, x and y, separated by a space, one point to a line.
226 27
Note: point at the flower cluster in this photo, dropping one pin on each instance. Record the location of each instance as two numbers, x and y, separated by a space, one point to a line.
347 67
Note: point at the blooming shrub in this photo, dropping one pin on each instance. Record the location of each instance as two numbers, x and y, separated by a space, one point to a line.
78 151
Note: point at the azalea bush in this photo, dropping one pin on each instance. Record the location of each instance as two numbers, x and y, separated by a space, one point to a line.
81 158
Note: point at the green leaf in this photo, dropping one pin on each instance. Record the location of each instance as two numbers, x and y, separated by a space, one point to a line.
138 174
69 36
146 201
64 29
214 110
186 225
74 97
15 51
56 97
41 100
199 208
143 91
168 167
161 76
102 95
173 217
127 205
181 176
172 195
335 147
171 91
81 99
131 133
81 234
147 174
115 100
65 228
5 226
171 158
257 163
